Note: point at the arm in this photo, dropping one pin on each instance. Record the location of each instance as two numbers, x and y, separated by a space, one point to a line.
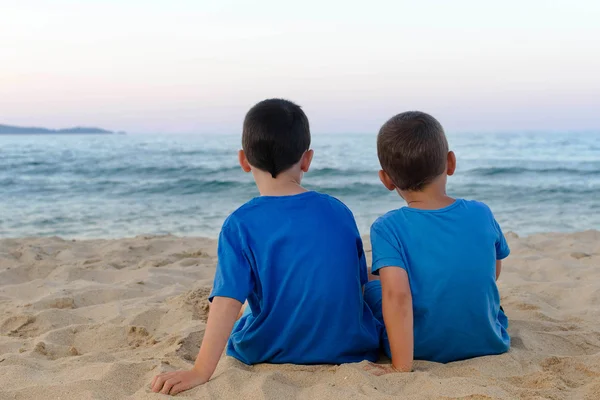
502 249
398 316
221 318
498 268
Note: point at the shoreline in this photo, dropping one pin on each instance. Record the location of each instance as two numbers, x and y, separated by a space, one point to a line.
98 318
215 237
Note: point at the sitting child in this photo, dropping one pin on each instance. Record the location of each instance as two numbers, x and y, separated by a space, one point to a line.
295 255
437 259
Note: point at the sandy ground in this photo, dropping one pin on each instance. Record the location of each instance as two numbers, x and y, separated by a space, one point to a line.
98 319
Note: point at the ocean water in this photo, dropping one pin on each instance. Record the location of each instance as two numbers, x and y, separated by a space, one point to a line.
115 186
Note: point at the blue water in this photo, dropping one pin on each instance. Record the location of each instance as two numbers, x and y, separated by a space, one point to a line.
115 186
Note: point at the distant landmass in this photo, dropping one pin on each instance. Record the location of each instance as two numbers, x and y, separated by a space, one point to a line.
7 129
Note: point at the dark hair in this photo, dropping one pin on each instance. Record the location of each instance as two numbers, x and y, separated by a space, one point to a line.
412 149
275 136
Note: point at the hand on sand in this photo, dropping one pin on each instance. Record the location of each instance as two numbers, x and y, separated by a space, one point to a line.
176 382
380 369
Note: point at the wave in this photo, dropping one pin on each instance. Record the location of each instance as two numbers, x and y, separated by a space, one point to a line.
90 170
496 171
353 186
335 172
189 187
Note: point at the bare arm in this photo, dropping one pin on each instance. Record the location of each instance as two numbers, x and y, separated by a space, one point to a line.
221 318
398 316
498 268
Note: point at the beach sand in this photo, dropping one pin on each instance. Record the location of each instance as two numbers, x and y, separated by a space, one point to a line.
98 319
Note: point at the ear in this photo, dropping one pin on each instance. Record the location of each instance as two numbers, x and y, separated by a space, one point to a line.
306 160
244 161
451 163
386 180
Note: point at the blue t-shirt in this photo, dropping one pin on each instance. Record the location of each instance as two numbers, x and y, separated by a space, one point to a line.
299 262
450 257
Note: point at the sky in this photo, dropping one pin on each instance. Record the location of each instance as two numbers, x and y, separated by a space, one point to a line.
197 66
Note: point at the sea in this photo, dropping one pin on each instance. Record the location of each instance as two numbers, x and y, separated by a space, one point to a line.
112 186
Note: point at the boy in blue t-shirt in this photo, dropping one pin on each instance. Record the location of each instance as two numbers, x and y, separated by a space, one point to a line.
438 259
296 256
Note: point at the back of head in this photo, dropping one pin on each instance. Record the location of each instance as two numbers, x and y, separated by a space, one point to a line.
412 149
275 136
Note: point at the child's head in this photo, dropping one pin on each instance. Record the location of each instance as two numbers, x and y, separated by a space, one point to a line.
275 138
413 152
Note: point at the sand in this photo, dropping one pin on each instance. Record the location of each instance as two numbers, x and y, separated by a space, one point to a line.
98 319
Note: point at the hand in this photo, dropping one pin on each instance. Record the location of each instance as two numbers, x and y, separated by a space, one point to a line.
380 369
176 382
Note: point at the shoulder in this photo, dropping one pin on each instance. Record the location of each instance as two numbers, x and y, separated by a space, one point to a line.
389 226
478 207
481 212
334 201
387 220
235 220
475 205
335 204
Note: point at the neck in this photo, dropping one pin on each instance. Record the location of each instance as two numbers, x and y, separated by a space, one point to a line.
432 197
286 184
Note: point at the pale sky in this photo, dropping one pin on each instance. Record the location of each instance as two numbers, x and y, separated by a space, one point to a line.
197 66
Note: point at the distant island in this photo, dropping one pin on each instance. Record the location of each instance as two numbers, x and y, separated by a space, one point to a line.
19 130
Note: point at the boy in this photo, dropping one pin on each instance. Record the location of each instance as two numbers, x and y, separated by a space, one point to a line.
438 258
296 256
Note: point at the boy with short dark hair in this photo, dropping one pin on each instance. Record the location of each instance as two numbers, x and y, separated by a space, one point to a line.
296 256
437 259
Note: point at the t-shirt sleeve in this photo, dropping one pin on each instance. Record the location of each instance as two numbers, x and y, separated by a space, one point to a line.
233 277
502 249
387 252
